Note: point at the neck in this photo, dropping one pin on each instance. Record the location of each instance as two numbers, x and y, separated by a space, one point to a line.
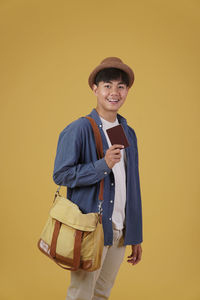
109 116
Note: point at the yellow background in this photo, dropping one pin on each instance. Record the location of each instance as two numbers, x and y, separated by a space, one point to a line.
48 48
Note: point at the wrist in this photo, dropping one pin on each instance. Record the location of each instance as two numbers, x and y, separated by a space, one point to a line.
108 164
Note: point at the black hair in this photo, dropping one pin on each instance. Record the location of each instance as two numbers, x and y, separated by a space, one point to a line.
108 74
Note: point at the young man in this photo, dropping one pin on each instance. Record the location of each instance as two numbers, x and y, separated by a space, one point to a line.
78 168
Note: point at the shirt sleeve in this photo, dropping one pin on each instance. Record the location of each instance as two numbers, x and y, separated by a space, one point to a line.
68 170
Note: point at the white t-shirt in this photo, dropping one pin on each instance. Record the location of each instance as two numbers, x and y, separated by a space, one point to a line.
118 216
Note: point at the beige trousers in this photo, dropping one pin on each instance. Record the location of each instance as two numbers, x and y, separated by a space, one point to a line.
97 285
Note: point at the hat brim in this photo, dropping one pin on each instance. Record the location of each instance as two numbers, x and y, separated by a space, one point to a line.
106 65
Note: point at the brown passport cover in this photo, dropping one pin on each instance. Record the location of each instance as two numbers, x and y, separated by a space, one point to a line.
117 135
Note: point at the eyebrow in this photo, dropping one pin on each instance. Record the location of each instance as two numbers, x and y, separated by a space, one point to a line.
111 82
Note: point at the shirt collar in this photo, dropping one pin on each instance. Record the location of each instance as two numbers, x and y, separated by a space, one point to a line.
94 114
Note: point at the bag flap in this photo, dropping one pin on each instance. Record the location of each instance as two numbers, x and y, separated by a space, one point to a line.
68 213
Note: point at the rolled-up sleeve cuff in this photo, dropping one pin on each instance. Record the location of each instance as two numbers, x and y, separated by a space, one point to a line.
102 168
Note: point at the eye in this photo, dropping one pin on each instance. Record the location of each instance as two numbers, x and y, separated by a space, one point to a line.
107 85
121 86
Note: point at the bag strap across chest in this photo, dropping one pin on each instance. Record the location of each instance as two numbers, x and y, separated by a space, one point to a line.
99 147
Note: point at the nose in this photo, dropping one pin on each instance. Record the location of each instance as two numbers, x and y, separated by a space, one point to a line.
114 90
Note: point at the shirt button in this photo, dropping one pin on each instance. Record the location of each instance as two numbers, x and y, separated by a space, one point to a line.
105 173
112 183
111 201
100 125
110 219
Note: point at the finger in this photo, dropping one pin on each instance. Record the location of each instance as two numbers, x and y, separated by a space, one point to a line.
114 159
139 256
115 150
115 153
132 261
137 261
117 146
135 258
130 256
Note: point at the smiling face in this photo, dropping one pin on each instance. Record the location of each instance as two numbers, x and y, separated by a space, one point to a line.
110 96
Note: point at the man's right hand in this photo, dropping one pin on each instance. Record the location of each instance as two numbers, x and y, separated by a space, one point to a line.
113 155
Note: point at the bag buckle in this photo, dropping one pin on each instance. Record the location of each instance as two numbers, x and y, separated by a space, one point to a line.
57 193
100 207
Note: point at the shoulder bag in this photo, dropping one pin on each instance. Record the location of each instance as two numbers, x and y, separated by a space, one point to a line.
70 238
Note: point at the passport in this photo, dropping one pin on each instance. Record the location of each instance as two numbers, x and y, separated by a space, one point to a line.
117 135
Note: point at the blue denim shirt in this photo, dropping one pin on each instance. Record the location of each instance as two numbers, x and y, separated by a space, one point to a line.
78 167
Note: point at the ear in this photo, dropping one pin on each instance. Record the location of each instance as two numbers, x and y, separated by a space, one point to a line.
94 88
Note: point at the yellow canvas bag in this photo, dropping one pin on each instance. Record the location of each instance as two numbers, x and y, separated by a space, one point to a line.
70 238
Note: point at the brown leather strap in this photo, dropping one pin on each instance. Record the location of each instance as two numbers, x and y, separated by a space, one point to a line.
66 268
54 239
77 247
97 137
99 146
77 252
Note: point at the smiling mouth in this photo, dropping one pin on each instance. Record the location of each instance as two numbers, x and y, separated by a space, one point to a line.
113 100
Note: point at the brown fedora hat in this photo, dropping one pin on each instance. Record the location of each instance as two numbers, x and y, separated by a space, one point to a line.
112 62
